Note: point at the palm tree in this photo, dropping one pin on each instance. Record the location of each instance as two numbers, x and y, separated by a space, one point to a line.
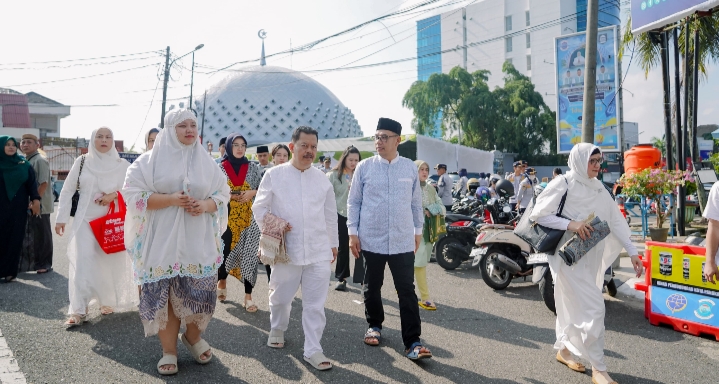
647 53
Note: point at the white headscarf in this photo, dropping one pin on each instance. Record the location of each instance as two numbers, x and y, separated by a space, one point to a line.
177 238
585 196
147 136
105 166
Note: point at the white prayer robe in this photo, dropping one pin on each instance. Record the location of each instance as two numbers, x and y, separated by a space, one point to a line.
578 288
305 199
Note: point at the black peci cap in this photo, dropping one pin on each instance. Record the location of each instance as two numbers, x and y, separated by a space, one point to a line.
389 125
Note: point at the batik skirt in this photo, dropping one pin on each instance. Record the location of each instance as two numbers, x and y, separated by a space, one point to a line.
193 301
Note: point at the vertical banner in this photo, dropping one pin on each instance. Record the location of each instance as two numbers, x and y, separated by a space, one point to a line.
570 67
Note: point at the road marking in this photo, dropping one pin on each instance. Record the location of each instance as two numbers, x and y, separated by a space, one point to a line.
9 370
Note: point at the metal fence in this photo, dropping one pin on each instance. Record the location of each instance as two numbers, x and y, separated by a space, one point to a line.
61 160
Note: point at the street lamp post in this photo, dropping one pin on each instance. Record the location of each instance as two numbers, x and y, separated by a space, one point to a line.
192 72
167 77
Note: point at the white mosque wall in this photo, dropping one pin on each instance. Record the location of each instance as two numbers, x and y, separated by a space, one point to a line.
266 103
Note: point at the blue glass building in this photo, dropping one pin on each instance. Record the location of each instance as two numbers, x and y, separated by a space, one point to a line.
608 14
429 57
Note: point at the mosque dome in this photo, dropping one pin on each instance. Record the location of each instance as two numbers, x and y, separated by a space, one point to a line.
266 103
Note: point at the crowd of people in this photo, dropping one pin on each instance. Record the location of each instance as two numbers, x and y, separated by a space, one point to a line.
192 222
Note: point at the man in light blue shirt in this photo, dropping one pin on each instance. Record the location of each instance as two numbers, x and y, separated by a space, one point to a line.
385 220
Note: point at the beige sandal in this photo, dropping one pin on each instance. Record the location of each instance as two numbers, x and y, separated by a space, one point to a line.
574 366
197 350
317 359
75 320
250 306
222 294
167 360
105 310
276 339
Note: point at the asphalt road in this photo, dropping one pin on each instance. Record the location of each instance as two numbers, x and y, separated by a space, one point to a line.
477 336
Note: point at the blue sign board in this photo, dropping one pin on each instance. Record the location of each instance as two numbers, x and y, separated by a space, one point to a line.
652 14
129 156
687 306
570 51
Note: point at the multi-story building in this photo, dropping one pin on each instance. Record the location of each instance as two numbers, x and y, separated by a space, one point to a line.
495 31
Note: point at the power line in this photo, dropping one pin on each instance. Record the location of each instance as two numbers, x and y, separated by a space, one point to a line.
76 65
83 77
87 59
310 45
146 114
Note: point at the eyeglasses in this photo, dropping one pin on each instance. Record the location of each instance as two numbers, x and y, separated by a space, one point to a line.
382 138
596 161
243 146
306 147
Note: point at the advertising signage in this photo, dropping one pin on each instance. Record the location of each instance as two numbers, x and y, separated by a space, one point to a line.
570 67
652 14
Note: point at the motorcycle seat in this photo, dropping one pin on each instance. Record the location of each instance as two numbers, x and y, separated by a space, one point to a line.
454 217
497 226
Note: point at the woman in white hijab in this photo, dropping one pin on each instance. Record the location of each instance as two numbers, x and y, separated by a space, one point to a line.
150 138
578 288
177 211
94 275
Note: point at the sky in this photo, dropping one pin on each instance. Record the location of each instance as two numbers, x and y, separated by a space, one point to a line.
124 91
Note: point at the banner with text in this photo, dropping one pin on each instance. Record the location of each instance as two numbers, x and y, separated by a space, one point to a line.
570 67
653 14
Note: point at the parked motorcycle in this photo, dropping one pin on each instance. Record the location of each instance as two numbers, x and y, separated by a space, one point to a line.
456 246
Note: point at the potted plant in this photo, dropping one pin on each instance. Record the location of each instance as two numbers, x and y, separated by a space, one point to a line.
653 183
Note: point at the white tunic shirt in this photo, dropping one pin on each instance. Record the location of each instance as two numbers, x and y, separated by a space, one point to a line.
306 200
712 209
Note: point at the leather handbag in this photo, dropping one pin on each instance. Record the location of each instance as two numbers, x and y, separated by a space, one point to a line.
76 195
109 230
541 238
575 248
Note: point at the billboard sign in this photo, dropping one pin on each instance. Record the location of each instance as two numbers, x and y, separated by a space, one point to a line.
653 14
570 67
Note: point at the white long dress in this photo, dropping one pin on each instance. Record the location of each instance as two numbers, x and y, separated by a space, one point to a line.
94 276
578 288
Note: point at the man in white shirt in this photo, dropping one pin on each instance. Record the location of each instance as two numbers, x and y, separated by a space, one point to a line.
293 191
711 212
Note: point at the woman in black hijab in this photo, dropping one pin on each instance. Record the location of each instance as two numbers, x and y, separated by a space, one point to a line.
242 237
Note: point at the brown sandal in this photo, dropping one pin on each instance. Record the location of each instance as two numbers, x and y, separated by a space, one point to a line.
574 366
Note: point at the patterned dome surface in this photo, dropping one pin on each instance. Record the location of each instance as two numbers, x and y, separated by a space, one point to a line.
266 103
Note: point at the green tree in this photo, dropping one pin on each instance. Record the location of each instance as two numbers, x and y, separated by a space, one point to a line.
513 118
524 123
659 144
446 94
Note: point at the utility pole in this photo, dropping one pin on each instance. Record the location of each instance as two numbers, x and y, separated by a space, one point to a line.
664 51
464 38
590 72
192 80
202 126
680 132
695 146
164 86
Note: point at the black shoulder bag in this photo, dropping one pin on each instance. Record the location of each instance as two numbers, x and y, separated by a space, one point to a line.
76 196
541 238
